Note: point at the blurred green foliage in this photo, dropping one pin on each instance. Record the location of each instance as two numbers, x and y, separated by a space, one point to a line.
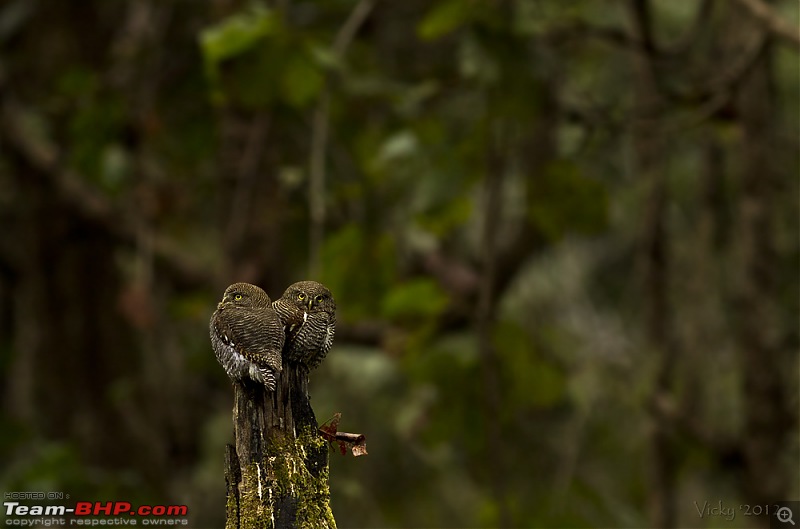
253 61
350 249
564 201
197 121
419 299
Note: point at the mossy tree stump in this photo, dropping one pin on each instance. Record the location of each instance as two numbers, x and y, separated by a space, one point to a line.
277 472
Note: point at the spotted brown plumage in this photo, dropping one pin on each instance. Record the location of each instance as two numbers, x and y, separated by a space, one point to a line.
247 335
308 313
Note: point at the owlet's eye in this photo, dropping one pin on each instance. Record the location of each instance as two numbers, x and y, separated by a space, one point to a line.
237 297
301 297
318 299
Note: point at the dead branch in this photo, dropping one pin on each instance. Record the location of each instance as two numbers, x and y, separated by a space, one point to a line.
771 21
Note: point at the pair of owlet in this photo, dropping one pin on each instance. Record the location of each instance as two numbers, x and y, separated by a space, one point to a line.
250 334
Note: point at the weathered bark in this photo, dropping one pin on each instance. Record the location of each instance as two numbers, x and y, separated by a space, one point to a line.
277 472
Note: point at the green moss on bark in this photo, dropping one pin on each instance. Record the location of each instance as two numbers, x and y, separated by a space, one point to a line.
283 480
231 512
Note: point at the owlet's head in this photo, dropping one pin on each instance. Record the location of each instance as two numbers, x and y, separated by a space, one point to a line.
310 296
244 295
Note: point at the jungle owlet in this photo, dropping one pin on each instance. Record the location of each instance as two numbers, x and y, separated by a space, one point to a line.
308 313
247 335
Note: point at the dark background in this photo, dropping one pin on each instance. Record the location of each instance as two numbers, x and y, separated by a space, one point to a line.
563 239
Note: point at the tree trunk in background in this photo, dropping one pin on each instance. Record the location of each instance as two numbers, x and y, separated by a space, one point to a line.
251 205
485 318
277 472
648 167
768 421
67 281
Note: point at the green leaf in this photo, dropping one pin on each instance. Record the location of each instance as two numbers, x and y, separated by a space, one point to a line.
301 81
563 200
396 148
236 34
451 215
415 299
444 18
531 380
326 58
476 62
359 266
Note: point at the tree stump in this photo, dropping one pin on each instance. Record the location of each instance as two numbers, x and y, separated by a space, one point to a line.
277 471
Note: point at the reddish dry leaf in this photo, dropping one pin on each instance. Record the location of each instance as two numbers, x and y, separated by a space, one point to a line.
357 442
360 448
330 427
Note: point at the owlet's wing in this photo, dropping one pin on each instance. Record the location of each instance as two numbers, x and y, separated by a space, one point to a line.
293 319
251 336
